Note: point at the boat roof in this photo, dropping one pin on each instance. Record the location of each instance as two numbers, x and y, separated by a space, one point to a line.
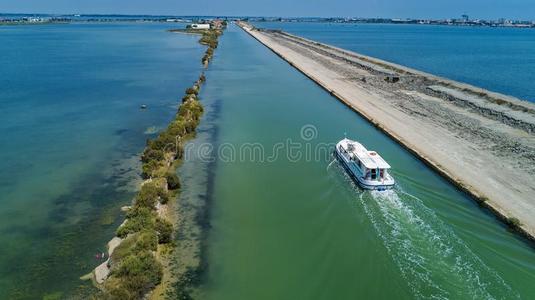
370 159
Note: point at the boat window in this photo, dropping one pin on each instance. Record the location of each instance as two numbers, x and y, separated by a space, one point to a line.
374 173
382 173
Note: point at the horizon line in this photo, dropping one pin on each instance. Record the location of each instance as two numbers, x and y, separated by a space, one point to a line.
245 16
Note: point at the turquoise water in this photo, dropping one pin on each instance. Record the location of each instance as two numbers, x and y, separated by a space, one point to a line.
294 227
497 59
71 132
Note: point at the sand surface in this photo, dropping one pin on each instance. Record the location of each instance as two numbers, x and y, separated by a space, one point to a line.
482 141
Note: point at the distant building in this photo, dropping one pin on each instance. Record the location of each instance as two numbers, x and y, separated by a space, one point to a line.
218 24
199 26
35 20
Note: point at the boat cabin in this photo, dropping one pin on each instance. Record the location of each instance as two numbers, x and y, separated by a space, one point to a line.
369 163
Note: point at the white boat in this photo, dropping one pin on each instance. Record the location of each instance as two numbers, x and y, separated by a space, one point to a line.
366 167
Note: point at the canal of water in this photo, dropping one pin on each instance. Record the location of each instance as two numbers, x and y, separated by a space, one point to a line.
287 223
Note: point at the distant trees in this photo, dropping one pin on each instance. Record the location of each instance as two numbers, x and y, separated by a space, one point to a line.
210 39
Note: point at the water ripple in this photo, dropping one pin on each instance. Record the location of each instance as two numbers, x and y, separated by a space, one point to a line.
435 262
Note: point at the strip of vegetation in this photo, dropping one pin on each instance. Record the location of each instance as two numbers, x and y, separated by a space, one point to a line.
209 38
135 265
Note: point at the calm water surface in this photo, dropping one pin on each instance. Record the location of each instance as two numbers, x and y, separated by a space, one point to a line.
71 132
300 229
497 59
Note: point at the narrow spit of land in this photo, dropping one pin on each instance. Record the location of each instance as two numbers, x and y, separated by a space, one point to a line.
482 141
140 264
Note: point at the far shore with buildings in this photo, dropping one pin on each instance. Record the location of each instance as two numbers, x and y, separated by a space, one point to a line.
464 20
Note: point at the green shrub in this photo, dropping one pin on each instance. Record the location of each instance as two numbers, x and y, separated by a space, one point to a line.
154 144
143 263
119 292
164 196
188 97
165 141
173 182
149 168
124 249
139 273
192 91
146 240
139 218
190 126
162 142
192 109
184 111
152 154
176 128
165 230
123 231
148 195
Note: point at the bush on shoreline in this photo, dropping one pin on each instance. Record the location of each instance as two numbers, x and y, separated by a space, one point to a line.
173 182
164 229
137 274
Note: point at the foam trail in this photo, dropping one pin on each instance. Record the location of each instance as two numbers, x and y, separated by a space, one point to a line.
435 262
329 165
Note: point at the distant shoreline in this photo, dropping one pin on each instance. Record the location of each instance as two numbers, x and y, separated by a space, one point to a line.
463 21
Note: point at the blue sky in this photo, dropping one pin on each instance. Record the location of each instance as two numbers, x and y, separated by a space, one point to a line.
521 9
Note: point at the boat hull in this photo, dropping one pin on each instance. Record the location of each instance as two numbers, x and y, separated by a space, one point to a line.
365 185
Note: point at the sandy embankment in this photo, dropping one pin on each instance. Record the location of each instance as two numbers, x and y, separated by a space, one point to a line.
483 142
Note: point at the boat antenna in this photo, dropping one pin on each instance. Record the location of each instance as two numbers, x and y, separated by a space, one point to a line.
345 134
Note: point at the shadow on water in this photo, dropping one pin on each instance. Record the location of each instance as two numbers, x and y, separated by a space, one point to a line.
195 202
435 262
